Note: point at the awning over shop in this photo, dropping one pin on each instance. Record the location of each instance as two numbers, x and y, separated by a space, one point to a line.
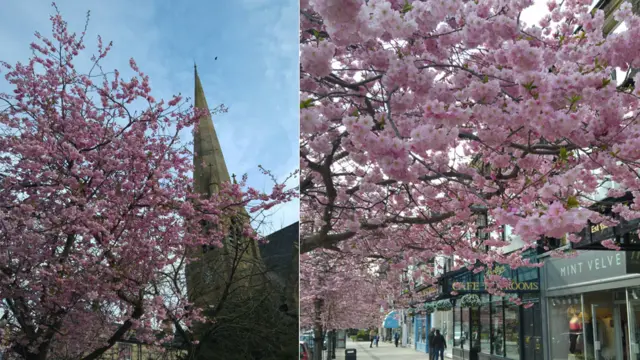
392 320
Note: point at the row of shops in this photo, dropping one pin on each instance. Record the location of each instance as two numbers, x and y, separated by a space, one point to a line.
584 307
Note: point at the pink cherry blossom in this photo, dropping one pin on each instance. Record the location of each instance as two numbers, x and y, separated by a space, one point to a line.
97 209
433 112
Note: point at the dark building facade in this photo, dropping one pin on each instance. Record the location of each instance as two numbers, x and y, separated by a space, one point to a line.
280 255
497 327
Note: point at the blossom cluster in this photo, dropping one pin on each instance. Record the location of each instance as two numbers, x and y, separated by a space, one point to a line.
428 114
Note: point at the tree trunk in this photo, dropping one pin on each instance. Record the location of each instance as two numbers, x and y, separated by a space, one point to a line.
27 355
329 340
317 331
334 343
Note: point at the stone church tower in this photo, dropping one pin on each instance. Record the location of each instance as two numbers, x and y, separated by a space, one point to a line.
219 272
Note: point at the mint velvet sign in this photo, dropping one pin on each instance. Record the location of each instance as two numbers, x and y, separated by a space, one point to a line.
591 265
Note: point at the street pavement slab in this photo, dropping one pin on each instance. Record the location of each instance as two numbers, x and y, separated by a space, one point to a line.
384 351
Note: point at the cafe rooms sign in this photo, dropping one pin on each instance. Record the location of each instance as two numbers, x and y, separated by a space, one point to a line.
478 286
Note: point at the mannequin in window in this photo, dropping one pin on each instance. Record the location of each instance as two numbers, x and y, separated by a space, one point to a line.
575 329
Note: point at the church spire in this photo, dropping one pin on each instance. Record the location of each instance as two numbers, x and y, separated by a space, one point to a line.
210 169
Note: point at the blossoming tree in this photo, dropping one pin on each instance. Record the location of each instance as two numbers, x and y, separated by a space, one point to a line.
96 205
419 116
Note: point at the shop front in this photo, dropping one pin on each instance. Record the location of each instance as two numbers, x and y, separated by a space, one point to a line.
443 321
391 325
422 324
423 320
593 306
495 327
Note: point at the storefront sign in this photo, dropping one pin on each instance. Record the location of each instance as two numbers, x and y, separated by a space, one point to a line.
593 234
591 265
478 286
597 228
430 292
470 283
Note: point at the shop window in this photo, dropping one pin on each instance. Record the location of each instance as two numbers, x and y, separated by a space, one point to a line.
124 351
599 313
548 243
532 330
447 331
497 326
457 327
634 322
512 330
475 340
565 327
423 329
485 325
464 317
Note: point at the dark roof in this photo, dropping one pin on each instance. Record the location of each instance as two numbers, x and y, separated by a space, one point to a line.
278 252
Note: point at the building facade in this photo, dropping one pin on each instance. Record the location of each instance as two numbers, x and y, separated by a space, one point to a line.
496 327
281 257
133 350
591 305
422 323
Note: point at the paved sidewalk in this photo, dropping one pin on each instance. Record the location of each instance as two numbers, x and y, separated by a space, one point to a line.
384 351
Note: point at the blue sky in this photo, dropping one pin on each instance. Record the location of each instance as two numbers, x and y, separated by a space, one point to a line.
255 76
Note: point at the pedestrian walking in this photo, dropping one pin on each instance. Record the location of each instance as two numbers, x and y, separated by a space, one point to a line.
430 338
372 336
396 338
439 344
377 339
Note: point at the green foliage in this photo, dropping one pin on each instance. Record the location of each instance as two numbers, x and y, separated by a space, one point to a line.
305 104
564 155
572 202
406 7
363 335
470 301
443 305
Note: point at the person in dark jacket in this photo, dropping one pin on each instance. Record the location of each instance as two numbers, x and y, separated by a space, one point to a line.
396 338
439 344
430 337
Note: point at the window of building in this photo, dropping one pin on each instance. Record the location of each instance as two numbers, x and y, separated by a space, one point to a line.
532 329
512 330
485 324
124 351
466 333
423 329
497 325
447 331
457 327
565 327
475 328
